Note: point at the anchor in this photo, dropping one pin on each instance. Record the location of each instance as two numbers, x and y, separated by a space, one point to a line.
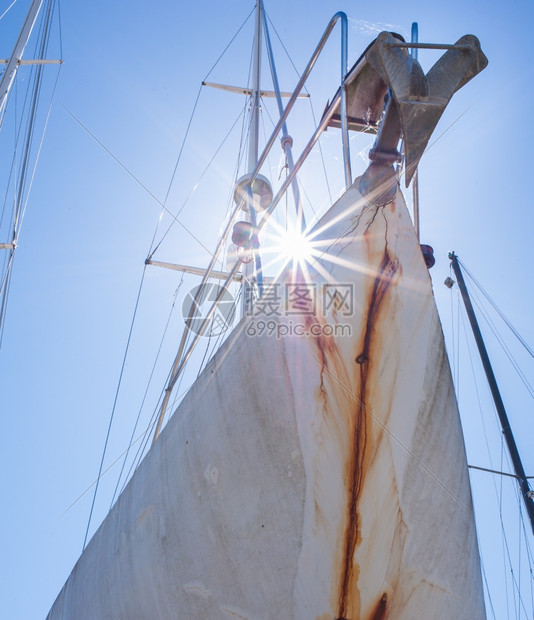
421 99
389 94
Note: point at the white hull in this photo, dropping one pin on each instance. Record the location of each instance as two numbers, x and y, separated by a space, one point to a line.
305 477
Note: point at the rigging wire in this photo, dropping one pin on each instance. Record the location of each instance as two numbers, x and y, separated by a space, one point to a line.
171 405
240 157
136 179
512 578
468 342
195 186
499 496
187 335
302 189
146 389
8 9
241 115
119 383
130 332
503 344
243 133
311 108
114 406
196 102
498 310
142 448
370 204
504 543
22 186
209 344
150 253
60 28
31 128
146 435
121 373
530 561
229 201
453 356
146 432
230 43
498 488
523 545
189 127
519 549
36 75
530 564
14 157
488 589
4 296
217 343
239 161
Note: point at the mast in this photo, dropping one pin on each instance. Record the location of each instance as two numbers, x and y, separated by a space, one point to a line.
16 55
524 486
26 136
415 181
253 191
255 97
253 271
249 270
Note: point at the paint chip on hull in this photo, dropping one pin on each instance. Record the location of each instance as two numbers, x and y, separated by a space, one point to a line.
235 613
212 475
195 587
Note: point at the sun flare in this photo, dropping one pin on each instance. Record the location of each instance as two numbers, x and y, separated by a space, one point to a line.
295 246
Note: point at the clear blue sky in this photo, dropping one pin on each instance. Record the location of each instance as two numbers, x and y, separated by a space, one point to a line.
131 73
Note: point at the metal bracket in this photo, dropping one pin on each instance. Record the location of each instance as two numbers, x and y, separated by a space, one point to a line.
421 99
380 178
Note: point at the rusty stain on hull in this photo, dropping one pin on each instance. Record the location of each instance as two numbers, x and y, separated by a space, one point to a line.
347 603
379 612
381 608
286 460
